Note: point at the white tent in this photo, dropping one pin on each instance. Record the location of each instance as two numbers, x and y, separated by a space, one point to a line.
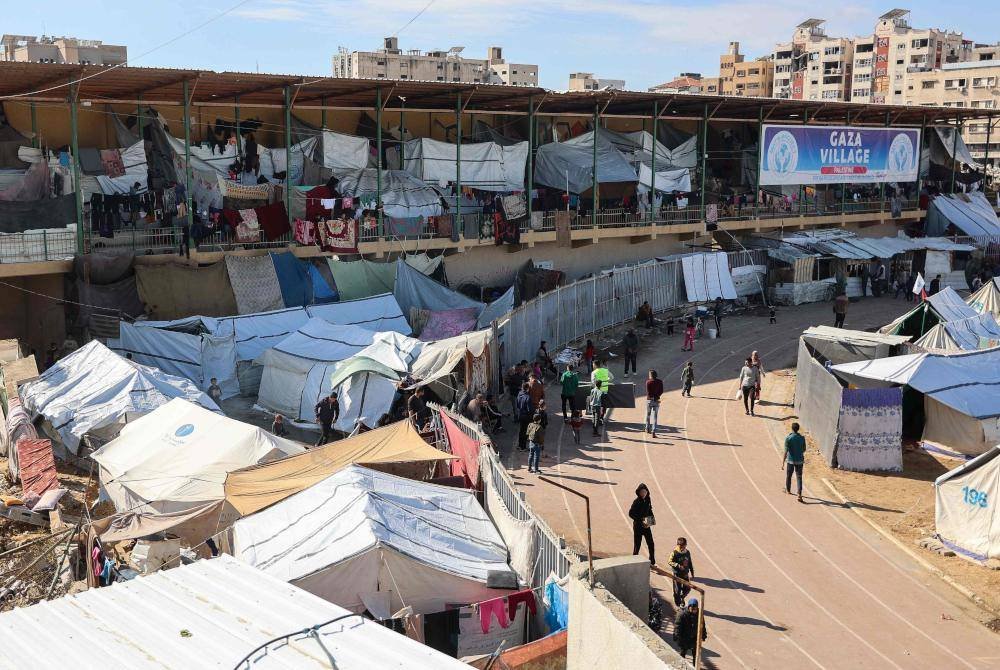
177 458
707 277
345 152
297 372
961 402
987 299
403 195
368 540
965 514
976 332
487 166
95 391
226 608
570 164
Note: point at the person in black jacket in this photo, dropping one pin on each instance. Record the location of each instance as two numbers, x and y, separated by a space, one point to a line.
641 513
686 628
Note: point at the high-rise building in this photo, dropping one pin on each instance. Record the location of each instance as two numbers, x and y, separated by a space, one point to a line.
390 62
813 65
586 81
46 49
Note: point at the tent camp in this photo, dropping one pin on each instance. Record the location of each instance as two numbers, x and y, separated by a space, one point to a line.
297 372
487 166
176 458
987 299
368 540
965 504
976 332
945 305
95 391
970 213
397 449
415 290
855 429
961 405
216 611
403 195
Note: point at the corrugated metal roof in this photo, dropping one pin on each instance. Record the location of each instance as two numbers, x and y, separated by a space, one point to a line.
206 615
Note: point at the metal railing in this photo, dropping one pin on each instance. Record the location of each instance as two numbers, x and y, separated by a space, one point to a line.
37 245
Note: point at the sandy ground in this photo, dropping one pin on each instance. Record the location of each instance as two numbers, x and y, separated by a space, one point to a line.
789 584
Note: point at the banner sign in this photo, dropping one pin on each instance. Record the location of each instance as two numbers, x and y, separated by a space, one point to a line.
838 155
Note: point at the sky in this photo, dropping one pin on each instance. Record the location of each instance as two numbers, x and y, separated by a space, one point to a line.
644 42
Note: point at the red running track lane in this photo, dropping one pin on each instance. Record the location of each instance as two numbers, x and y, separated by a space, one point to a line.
789 585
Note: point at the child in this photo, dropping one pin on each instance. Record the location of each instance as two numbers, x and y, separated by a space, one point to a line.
576 422
772 313
688 335
687 378
670 325
536 442
595 401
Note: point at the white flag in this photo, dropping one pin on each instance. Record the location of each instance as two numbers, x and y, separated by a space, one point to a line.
918 285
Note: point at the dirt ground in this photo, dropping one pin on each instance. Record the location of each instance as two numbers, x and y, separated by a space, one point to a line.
901 503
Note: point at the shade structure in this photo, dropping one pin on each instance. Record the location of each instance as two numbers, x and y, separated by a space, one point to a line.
177 458
368 540
254 488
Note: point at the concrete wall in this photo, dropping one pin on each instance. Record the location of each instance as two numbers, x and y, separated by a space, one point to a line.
604 632
33 319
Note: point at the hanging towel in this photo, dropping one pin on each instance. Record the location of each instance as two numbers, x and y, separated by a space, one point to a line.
515 599
273 220
486 611
305 232
111 159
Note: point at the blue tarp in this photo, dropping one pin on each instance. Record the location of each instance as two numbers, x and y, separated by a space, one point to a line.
296 289
415 289
322 293
496 309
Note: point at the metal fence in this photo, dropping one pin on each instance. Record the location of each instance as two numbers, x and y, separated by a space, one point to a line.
573 312
37 245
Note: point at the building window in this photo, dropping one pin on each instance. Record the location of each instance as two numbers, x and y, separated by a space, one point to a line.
402 76
918 44
831 51
981 82
897 93
859 92
954 83
831 95
928 84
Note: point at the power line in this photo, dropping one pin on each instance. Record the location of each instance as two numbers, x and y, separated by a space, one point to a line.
417 16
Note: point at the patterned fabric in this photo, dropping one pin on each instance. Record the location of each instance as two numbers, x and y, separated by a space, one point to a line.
305 232
111 159
255 284
449 323
231 189
338 236
870 430
248 230
479 372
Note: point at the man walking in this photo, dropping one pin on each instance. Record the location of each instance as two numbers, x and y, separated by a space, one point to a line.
602 374
327 412
570 382
654 389
686 629
680 561
794 458
630 343
718 317
839 310
687 379
524 410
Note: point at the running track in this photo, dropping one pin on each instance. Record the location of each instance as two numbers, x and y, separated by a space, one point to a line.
789 585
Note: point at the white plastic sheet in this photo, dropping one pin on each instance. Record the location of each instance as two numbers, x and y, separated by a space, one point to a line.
964 498
345 152
707 277
487 166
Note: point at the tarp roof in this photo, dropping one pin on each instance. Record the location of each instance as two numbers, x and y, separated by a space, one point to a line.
966 382
177 457
945 305
571 163
358 509
860 337
93 388
969 212
987 298
226 606
415 289
252 489
976 332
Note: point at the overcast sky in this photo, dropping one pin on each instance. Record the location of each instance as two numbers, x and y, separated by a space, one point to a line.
643 42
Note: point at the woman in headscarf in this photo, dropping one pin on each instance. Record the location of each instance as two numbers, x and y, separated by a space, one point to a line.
641 513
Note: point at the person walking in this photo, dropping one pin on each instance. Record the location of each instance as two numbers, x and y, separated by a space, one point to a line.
630 343
686 629
569 383
327 412
794 458
687 379
654 389
683 567
641 513
589 352
749 377
536 441
839 310
596 403
718 316
576 423
756 362
536 389
688 335
602 374
524 411
865 274
935 285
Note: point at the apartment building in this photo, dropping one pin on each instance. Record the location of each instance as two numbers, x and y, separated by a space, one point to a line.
586 81
46 49
974 84
688 82
813 65
391 62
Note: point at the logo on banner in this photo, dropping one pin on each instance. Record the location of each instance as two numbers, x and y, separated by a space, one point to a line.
901 153
184 430
783 153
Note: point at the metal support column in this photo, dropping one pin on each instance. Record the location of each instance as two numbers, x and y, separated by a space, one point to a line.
593 183
138 114
239 138
288 150
989 131
881 186
457 223
322 113
652 179
74 89
760 154
531 154
954 151
704 157
378 160
187 154
36 141
920 157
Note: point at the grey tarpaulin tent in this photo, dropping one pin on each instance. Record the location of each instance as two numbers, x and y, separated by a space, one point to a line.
976 332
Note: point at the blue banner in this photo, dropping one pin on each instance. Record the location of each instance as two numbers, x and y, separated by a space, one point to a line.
838 155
